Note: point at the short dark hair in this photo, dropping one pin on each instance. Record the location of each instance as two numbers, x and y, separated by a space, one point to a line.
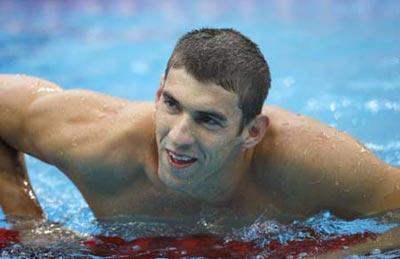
229 59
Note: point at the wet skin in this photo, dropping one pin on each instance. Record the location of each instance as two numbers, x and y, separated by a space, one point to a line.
185 153
204 129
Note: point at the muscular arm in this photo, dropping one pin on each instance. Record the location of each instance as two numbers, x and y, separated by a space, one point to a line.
92 138
16 196
311 167
39 118
17 94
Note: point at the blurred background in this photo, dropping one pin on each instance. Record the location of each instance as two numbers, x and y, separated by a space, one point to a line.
335 60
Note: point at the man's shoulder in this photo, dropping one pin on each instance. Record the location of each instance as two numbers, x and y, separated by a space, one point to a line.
92 130
283 121
133 124
139 110
277 113
138 117
138 129
288 132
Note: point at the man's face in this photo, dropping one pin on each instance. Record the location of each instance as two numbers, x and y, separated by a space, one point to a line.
197 132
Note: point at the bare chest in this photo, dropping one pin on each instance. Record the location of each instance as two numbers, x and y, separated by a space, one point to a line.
138 196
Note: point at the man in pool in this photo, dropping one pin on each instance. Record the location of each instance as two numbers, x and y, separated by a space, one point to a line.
207 141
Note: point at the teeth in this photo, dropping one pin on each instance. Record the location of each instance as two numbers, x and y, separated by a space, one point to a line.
181 157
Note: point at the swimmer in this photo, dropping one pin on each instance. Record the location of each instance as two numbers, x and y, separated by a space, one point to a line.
206 141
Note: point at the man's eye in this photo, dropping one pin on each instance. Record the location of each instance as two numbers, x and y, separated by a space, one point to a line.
209 121
170 104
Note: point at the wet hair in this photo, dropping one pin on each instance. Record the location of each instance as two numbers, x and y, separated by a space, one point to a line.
229 59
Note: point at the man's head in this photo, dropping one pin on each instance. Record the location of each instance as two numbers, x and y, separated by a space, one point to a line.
208 111
229 59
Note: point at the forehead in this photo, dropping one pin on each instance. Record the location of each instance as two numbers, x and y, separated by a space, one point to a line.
199 95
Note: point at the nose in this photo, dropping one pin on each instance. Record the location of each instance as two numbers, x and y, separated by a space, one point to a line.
181 134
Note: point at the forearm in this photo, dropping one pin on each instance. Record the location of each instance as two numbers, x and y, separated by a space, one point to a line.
16 196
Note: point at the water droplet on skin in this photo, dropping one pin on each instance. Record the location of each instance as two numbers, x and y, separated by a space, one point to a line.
364 196
74 144
37 83
44 89
31 195
337 183
397 187
323 135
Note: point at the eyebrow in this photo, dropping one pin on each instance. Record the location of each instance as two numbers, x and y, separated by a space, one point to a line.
168 95
216 115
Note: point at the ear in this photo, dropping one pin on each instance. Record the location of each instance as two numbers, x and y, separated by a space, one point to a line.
161 88
255 131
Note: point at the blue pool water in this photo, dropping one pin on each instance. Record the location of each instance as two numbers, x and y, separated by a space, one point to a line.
337 61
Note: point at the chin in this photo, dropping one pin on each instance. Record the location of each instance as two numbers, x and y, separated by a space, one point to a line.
175 182
170 180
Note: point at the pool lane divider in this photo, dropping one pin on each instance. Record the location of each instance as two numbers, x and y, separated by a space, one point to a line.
8 237
210 246
204 245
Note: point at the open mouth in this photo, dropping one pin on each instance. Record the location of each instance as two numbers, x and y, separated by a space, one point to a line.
180 161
